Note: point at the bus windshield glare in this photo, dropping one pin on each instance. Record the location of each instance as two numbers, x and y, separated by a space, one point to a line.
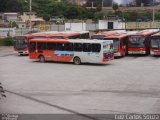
155 43
115 43
20 42
136 41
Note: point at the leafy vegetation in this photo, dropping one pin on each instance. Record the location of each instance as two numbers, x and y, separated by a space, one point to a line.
49 8
7 41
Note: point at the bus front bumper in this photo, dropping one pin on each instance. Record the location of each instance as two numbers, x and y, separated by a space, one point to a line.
23 52
117 54
155 53
137 52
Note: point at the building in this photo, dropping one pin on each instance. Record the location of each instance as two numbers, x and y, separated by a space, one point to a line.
6 17
80 2
34 19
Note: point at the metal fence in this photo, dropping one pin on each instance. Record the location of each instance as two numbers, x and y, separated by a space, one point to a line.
91 26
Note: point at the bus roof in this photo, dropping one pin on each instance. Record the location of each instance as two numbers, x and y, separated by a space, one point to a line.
156 35
68 40
119 36
147 32
106 33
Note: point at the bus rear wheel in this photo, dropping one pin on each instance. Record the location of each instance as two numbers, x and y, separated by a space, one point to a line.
41 59
77 61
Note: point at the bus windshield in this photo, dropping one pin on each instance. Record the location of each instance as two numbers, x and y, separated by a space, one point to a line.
20 42
115 43
155 43
137 41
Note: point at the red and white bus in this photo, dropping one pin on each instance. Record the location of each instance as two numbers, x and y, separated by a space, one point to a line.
21 41
139 43
155 44
69 50
119 43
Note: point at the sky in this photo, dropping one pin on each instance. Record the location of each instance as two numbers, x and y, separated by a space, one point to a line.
122 1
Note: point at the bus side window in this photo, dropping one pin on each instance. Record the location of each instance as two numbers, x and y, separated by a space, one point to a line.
51 46
32 47
69 46
78 47
87 47
96 47
60 46
41 46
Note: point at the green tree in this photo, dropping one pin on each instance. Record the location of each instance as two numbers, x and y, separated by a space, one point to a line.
13 24
115 7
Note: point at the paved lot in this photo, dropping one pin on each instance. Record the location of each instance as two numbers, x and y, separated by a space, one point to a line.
126 85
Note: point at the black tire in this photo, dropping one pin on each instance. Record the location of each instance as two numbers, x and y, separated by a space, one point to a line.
41 59
77 61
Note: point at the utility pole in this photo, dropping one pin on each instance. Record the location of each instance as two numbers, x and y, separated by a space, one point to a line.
30 12
153 17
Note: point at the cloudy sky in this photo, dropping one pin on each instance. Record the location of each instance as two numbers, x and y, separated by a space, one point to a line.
122 1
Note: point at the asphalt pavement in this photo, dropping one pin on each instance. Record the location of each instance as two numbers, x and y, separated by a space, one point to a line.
125 85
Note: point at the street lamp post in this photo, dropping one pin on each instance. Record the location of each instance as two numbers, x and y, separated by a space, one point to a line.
30 12
153 17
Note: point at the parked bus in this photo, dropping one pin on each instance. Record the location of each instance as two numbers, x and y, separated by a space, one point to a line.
21 41
155 44
119 43
139 43
69 50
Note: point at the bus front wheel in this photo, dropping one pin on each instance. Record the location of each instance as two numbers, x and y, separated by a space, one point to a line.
77 61
41 59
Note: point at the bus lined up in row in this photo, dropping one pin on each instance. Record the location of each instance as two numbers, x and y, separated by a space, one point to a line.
120 40
133 42
155 44
21 41
71 50
139 43
119 43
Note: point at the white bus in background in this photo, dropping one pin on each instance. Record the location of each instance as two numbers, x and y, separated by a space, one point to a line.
6 32
71 50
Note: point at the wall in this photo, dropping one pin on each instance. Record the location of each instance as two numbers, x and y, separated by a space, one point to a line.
75 26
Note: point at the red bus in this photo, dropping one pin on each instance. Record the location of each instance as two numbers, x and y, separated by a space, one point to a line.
139 43
155 44
21 41
119 43
71 50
